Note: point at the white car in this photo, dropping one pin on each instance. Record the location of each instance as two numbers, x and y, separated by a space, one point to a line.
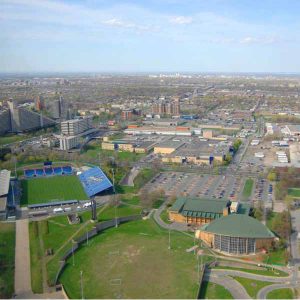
58 210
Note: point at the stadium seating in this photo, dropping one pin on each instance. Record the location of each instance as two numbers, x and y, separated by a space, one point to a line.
29 173
67 170
48 171
94 181
57 170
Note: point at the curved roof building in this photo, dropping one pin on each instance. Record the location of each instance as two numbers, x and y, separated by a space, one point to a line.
236 234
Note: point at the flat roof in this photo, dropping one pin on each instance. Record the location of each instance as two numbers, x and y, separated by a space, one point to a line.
4 182
170 144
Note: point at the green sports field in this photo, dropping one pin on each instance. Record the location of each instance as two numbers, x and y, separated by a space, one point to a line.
133 261
56 188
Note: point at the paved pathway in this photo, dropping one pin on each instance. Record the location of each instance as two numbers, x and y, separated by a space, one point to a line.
22 266
234 287
22 259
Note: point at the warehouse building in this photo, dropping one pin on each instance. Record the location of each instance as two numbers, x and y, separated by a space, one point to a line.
236 234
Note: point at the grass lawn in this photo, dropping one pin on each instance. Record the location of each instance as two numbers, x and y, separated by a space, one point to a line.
252 286
276 273
133 261
8 139
7 259
211 290
247 191
295 192
47 189
277 257
281 294
35 258
165 216
57 234
94 151
133 200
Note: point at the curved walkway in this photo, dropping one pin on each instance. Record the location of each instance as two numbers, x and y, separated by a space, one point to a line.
234 287
262 294
250 275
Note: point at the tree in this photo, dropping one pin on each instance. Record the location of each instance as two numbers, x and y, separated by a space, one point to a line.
258 213
272 176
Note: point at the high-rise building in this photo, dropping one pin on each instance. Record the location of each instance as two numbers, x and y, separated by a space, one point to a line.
166 107
76 126
39 103
126 114
68 142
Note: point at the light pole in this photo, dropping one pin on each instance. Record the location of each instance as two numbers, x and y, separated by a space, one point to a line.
169 247
81 284
87 237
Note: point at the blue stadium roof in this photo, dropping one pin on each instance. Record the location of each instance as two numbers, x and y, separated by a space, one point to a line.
94 181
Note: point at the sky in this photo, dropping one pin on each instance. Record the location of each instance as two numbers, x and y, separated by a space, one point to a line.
150 36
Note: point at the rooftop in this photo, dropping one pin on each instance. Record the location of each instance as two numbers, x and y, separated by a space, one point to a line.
238 225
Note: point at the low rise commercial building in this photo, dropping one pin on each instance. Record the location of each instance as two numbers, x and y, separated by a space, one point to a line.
197 211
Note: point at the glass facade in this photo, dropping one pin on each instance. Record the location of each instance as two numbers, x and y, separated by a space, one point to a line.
234 245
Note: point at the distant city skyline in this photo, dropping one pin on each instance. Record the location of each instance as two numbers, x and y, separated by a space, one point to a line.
154 36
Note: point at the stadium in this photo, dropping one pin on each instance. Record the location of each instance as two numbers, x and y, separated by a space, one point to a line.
58 185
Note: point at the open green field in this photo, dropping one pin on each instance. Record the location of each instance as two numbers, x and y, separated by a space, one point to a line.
94 151
252 286
56 233
294 192
133 261
281 294
8 139
7 259
247 191
56 188
211 290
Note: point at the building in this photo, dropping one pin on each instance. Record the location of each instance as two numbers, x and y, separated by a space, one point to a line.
167 147
172 130
39 103
199 152
4 190
166 107
162 122
68 142
18 119
236 234
128 146
202 211
126 114
76 126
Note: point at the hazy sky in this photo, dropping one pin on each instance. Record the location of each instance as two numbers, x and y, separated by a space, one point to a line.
149 36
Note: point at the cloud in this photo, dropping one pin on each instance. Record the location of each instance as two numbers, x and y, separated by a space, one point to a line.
259 40
181 20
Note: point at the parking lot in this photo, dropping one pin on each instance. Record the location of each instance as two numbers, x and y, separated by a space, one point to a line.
208 186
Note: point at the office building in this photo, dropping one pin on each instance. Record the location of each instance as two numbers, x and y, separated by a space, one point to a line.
68 142
76 126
